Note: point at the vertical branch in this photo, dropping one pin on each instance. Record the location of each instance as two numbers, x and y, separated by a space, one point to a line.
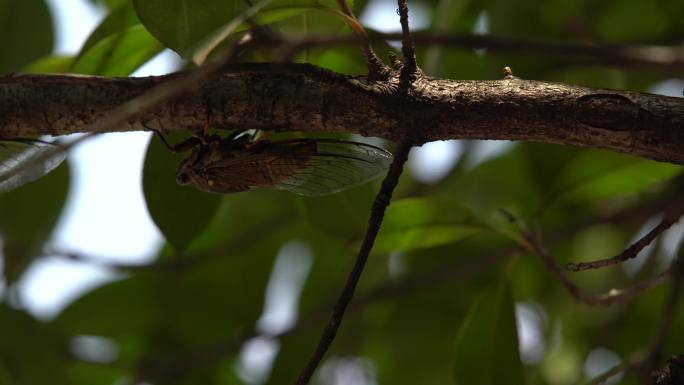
669 312
410 68
382 200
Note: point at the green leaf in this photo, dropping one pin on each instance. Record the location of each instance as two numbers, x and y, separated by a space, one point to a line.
180 212
25 33
597 175
186 26
417 223
422 237
28 215
487 342
202 50
100 311
118 54
181 24
31 352
50 64
117 21
344 214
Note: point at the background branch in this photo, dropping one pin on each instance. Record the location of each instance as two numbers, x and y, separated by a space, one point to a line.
671 217
658 58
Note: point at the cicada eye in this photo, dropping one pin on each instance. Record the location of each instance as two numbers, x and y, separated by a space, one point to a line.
183 179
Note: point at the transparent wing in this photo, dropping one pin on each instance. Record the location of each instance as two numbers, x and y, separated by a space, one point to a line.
335 166
25 160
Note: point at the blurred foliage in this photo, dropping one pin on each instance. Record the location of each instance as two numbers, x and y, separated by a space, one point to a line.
25 33
437 301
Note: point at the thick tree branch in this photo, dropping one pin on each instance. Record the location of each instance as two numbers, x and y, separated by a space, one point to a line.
307 98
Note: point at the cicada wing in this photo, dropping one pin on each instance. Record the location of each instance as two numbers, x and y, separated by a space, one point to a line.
310 167
25 160
335 166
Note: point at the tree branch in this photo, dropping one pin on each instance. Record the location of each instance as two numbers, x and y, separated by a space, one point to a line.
307 98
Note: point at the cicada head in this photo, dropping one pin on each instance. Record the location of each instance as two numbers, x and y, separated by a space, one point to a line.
195 170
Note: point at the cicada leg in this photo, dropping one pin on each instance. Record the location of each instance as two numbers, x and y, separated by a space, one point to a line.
185 145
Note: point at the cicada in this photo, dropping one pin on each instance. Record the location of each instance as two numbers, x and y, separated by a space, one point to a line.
309 167
25 160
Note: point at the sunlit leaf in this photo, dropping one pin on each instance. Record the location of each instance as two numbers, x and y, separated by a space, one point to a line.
119 54
421 223
117 21
597 175
50 64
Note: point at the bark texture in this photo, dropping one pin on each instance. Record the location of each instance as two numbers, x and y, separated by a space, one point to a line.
307 98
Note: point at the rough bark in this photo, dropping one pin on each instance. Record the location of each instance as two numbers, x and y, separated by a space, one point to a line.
307 98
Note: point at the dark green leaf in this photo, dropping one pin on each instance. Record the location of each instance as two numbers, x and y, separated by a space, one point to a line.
31 352
28 216
181 24
180 212
343 214
25 33
487 341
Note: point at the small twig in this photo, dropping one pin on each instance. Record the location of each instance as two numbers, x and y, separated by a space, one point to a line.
615 295
409 70
672 373
376 68
633 250
534 244
382 200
